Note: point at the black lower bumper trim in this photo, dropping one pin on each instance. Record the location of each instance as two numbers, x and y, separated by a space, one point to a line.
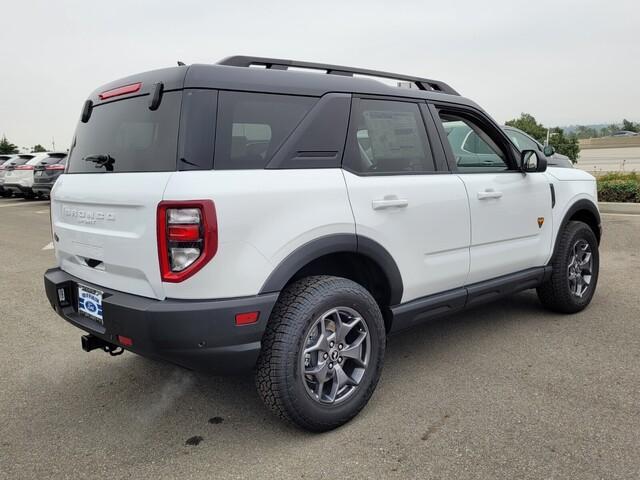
196 334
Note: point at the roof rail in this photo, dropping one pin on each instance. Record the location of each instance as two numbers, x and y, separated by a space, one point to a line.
282 64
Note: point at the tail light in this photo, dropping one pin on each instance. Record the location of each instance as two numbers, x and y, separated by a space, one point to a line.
55 166
187 237
24 167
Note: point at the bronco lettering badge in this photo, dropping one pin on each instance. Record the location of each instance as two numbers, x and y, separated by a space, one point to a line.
88 216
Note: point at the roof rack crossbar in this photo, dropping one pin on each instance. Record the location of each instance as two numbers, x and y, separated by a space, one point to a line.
283 64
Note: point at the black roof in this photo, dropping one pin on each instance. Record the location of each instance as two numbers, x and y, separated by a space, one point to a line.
235 74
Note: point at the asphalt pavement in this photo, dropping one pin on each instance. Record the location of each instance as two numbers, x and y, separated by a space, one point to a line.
504 391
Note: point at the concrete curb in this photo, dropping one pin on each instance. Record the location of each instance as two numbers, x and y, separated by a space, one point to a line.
624 208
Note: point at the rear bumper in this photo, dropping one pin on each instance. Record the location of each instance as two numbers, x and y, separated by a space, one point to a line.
17 188
196 334
44 188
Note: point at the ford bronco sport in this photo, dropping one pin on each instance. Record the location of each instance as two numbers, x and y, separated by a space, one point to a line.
229 219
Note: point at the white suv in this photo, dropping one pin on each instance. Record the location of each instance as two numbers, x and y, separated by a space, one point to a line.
227 218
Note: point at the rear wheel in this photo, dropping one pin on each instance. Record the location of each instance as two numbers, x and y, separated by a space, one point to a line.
575 265
322 352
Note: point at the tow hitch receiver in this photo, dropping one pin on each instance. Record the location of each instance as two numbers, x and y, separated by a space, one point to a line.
91 342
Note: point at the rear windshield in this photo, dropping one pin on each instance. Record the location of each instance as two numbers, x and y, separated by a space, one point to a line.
21 160
125 136
51 159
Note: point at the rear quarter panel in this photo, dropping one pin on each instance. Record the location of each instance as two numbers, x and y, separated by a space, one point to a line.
263 216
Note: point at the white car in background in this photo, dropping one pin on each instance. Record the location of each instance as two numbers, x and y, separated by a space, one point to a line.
5 161
19 174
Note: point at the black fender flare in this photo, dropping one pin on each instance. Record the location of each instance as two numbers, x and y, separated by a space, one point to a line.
582 204
336 243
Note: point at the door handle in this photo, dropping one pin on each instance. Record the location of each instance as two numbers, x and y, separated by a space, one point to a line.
489 193
389 201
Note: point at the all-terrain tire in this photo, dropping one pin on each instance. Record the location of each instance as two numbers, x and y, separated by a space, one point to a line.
555 294
279 378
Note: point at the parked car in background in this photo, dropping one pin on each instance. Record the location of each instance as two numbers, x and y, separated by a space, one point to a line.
625 133
9 166
526 142
46 174
19 176
4 160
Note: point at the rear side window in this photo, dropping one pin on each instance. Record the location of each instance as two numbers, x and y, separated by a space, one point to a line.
251 127
388 137
135 138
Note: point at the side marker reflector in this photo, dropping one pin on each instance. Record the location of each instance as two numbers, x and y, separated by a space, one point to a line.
247 318
126 341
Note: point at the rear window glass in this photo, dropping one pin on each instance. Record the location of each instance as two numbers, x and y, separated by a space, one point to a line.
50 160
21 160
251 127
129 136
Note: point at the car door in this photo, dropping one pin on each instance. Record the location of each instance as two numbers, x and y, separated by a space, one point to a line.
418 213
511 221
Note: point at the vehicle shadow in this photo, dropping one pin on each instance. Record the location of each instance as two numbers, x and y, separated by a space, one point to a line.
164 407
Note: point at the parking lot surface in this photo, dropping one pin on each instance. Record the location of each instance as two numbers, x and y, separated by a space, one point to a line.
505 391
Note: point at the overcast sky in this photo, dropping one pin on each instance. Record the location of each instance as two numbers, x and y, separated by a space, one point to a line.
565 62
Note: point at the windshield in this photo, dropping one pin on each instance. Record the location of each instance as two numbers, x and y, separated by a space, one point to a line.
126 136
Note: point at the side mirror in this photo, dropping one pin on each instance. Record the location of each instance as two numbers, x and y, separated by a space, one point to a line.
533 161
548 150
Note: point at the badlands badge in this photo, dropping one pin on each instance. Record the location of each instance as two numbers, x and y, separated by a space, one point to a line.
540 221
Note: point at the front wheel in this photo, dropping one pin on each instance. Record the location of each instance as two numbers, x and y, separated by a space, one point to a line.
576 265
322 352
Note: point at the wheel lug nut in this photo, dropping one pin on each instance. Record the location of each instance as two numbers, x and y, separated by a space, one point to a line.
326 355
340 347
339 359
331 365
331 344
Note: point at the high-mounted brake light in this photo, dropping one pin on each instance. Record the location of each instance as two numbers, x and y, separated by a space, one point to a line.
124 90
187 237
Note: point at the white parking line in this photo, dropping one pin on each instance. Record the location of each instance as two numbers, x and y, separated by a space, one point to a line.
48 246
621 214
22 204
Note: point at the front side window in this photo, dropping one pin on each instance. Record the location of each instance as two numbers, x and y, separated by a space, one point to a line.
252 127
472 147
388 137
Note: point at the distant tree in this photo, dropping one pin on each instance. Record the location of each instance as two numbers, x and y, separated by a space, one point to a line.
586 132
38 149
630 126
7 147
565 144
527 123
